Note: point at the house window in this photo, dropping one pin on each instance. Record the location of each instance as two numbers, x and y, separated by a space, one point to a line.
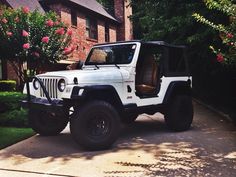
107 34
0 69
91 28
73 17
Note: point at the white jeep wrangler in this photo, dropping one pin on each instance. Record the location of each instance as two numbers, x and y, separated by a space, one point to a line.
117 82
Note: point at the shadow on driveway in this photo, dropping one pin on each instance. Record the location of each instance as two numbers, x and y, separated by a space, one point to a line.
145 148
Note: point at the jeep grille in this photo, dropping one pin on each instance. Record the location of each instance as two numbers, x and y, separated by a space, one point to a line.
51 87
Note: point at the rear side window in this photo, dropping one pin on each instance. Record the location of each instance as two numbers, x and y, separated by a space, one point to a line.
151 50
177 62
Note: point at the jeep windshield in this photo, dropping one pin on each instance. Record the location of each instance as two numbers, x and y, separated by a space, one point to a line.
113 54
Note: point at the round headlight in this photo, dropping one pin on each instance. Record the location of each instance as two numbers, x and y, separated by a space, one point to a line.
36 84
61 85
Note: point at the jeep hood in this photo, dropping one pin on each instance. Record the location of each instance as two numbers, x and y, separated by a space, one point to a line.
87 76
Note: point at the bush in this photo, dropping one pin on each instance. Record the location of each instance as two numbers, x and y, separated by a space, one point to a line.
227 32
10 101
11 113
7 85
14 118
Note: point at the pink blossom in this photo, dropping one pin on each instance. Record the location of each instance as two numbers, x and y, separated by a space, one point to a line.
26 46
4 20
49 23
17 19
56 23
25 33
25 10
67 50
9 33
230 35
45 39
74 40
73 48
220 57
69 32
60 31
231 44
36 54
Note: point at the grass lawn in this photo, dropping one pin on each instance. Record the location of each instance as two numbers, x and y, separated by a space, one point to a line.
9 136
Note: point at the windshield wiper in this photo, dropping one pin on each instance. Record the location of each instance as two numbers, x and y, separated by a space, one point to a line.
116 65
96 66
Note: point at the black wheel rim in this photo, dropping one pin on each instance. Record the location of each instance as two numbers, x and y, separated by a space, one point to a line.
98 126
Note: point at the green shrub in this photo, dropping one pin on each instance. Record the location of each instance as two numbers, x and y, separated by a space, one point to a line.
11 113
14 118
7 85
10 101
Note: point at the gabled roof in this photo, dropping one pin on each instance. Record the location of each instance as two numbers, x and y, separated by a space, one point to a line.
91 5
32 4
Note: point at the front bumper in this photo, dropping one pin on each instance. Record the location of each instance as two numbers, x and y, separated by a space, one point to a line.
43 104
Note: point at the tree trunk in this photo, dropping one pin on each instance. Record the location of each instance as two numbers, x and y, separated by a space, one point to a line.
17 66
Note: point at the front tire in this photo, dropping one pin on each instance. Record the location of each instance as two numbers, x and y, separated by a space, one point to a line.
95 126
179 113
47 123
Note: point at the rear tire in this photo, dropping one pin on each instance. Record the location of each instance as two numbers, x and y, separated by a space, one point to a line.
95 126
179 114
47 123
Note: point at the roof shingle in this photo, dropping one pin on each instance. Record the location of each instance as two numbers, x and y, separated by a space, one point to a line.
94 6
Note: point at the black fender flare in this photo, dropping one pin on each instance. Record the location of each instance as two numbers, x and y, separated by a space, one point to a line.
103 92
177 88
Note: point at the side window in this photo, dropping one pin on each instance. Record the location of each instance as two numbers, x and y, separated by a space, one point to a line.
157 54
107 35
91 28
73 17
177 63
146 52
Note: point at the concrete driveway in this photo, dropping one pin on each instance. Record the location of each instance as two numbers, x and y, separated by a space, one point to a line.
145 149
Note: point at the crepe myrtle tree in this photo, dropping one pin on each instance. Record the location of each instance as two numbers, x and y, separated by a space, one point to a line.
29 40
227 32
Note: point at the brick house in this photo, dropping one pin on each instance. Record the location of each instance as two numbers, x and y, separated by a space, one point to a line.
89 20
